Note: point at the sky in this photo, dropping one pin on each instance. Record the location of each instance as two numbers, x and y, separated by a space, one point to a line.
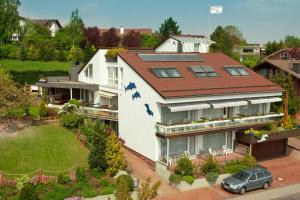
259 20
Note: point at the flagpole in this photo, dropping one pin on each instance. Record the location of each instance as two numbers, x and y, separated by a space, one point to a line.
209 21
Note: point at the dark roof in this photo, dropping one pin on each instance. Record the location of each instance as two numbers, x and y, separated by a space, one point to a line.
147 31
190 85
285 65
68 84
43 22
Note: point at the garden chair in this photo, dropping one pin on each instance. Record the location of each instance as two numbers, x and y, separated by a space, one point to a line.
212 152
226 150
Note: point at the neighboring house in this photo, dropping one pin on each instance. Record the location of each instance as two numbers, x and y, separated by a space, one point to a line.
123 31
185 44
248 50
285 54
52 24
165 103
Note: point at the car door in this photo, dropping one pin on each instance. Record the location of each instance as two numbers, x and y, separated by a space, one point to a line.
251 184
260 179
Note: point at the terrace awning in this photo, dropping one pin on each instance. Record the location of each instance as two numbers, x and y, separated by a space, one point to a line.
225 104
108 95
186 107
265 100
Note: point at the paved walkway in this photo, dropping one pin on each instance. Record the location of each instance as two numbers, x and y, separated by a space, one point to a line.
294 142
272 193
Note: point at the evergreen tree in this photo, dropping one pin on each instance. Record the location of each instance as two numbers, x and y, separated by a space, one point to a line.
23 53
113 154
122 191
97 154
146 191
168 27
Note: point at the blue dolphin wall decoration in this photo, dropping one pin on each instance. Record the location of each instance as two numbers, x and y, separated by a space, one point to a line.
149 111
130 86
136 95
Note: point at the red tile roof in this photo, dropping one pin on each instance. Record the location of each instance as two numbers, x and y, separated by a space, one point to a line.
147 31
190 85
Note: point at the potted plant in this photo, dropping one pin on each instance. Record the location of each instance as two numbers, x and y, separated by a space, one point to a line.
111 55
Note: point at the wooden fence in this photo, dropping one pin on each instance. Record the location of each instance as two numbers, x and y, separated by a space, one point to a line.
40 177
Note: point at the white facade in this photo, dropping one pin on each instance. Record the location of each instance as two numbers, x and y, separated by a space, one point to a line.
185 45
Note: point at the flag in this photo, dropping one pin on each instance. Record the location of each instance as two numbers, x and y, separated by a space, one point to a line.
216 9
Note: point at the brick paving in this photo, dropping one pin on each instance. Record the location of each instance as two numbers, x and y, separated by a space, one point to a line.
287 168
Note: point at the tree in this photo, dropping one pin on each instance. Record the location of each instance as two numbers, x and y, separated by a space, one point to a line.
113 154
146 191
97 154
287 83
250 61
75 54
92 36
110 38
9 19
149 41
292 41
223 41
235 34
88 52
36 35
272 47
168 27
10 96
23 53
132 39
122 191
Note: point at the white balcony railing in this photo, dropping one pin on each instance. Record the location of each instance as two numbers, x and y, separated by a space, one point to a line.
165 129
100 112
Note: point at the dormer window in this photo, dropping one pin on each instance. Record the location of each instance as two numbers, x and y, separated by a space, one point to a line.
203 71
166 72
237 71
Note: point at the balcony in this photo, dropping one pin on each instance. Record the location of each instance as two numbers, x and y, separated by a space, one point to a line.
101 112
225 123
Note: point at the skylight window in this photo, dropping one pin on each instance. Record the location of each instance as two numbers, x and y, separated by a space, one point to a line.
204 71
237 71
166 72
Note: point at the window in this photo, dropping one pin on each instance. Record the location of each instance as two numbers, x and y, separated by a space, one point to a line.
237 71
91 70
86 72
260 175
166 73
112 75
203 71
252 177
196 47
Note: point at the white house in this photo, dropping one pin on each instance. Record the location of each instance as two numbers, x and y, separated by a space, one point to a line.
185 44
166 103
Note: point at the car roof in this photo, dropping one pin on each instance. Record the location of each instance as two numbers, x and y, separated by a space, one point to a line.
254 170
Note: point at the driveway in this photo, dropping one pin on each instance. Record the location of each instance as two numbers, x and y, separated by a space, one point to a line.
285 171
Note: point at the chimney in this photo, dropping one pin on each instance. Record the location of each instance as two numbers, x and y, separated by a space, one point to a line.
121 31
74 71
296 67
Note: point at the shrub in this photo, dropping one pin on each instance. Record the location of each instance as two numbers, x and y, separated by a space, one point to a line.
122 190
188 179
249 160
175 178
184 167
287 122
96 173
28 192
43 109
74 102
273 127
81 175
210 166
14 52
88 130
107 190
69 108
104 182
88 192
63 179
71 120
211 177
147 191
114 155
112 53
33 53
8 192
21 181
129 181
234 166
34 112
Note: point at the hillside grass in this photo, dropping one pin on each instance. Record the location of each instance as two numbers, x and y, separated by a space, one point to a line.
19 65
49 147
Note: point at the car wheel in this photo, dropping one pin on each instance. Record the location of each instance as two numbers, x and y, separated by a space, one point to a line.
242 190
266 185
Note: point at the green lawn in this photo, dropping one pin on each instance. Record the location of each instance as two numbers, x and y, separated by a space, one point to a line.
18 65
49 147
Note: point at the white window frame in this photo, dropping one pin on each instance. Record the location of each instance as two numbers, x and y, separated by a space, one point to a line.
114 80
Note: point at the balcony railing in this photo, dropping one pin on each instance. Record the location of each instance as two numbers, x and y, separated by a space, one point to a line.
191 127
108 114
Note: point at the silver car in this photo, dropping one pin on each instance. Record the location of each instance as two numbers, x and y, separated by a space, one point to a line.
248 179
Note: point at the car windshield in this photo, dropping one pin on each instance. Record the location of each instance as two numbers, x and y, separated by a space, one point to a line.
241 176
